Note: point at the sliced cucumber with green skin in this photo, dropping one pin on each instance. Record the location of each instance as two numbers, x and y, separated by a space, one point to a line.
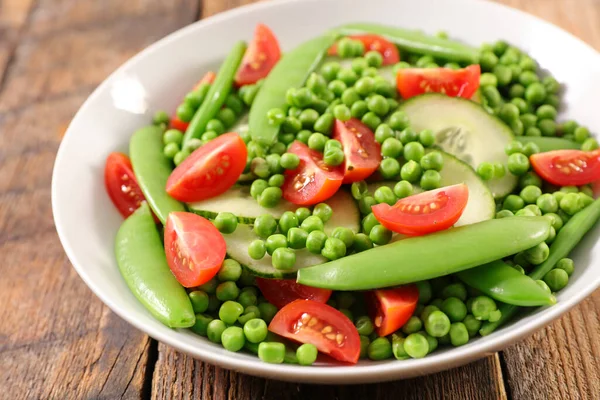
481 205
464 129
238 201
550 143
237 248
345 212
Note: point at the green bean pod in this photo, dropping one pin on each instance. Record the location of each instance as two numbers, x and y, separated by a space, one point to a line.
217 94
290 72
502 282
426 257
152 169
143 264
416 42
549 143
566 240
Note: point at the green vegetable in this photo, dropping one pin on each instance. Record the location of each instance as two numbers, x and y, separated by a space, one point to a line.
556 279
271 352
227 291
306 354
215 330
217 94
380 349
459 335
416 42
233 338
290 72
503 283
379 267
142 262
152 169
255 330
416 345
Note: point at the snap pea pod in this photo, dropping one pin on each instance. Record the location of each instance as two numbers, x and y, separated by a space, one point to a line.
143 264
566 239
502 282
549 143
290 72
217 94
426 257
152 169
416 42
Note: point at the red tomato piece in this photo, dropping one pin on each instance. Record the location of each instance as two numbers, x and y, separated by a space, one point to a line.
210 170
313 181
387 49
567 167
362 152
281 292
260 57
195 248
121 184
209 78
454 83
178 124
425 212
308 321
391 308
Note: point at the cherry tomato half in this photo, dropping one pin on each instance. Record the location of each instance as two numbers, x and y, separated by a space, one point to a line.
175 122
313 181
362 152
121 185
425 212
308 321
210 170
391 308
195 248
281 292
454 83
260 58
567 167
387 49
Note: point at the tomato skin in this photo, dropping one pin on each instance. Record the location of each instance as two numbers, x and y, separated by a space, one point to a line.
210 170
195 249
281 292
340 339
121 185
387 49
392 308
313 181
415 215
362 152
463 82
567 167
260 57
209 78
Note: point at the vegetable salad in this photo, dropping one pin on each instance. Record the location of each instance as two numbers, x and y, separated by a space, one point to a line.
373 193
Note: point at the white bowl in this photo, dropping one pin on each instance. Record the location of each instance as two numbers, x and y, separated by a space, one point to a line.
158 77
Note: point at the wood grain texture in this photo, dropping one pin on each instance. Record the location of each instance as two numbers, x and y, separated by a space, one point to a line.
57 340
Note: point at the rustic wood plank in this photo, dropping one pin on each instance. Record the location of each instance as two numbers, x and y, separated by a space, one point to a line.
177 376
57 340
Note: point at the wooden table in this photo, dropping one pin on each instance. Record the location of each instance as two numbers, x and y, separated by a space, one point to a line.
58 341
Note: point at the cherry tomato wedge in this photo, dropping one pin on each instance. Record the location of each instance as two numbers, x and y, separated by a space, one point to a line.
210 170
121 184
281 292
391 308
195 248
313 181
175 122
567 167
260 57
454 83
362 152
387 49
425 212
308 321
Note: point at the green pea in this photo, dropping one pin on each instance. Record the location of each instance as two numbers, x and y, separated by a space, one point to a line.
590 144
571 203
547 127
185 112
333 249
247 299
337 87
365 204
161 117
170 150
485 170
349 97
270 197
333 157
427 137
227 291
308 117
581 133
215 330
488 79
567 265
265 225
359 109
330 70
411 171
255 330
504 214
457 290
233 338
289 161
414 151
374 59
547 203
364 325
278 148
384 194
172 136
283 258
317 141
437 324
503 75
524 213
537 254
324 124
271 352
557 279
528 77
315 241
359 190
543 285
509 113
380 349
528 120
403 189
378 104
306 354
492 95
368 222
482 307
230 311
530 194
488 60
213 303
199 301
391 147
312 223
408 135
364 346
513 203
362 242
180 157
472 325
459 335
389 168
275 241
568 127
216 126
386 89
430 180
230 270
288 221
535 93
518 164
380 235
226 222
413 325
551 84
527 64
399 121
348 76
546 111
371 120
276 180
516 93
201 325
383 132
359 64
209 287
533 131
303 136
455 309
345 235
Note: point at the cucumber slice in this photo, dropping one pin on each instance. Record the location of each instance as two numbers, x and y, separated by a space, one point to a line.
345 212
464 129
238 201
237 248
481 205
